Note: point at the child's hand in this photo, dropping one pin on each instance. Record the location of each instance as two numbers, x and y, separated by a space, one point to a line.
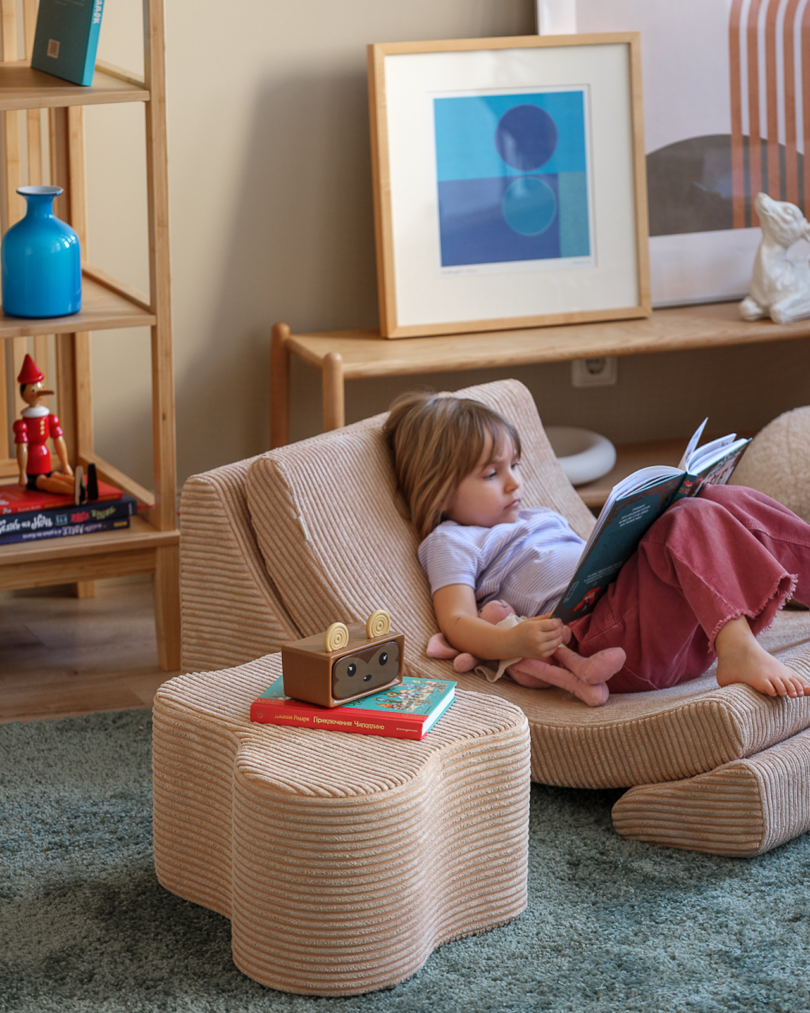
567 634
539 637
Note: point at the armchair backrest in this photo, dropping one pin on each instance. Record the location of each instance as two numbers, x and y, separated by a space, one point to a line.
333 535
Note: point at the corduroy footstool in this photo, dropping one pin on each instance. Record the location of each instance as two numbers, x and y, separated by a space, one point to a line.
740 809
341 860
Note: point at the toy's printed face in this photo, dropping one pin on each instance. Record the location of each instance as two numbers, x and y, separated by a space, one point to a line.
365 670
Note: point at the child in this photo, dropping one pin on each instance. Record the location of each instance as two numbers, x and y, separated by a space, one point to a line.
708 576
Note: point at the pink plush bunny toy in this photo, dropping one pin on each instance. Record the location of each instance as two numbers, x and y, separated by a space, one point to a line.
586 678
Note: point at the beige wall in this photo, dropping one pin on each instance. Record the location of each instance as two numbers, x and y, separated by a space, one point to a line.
271 219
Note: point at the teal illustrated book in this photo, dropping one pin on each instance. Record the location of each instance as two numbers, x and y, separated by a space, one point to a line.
632 506
66 39
405 711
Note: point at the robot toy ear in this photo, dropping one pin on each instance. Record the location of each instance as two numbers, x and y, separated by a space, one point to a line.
336 637
378 624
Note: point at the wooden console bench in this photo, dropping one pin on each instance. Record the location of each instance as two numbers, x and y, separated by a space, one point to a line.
362 354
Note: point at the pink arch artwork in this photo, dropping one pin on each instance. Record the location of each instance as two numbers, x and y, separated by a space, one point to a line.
757 59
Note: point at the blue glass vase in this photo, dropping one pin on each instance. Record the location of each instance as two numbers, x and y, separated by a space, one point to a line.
40 260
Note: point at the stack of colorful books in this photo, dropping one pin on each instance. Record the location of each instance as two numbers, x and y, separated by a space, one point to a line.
405 711
28 516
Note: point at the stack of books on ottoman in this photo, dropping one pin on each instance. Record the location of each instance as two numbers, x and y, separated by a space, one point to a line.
27 515
407 710
350 679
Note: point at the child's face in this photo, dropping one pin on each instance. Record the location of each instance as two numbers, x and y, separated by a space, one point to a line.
490 494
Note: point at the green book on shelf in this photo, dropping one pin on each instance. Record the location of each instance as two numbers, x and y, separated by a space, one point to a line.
66 39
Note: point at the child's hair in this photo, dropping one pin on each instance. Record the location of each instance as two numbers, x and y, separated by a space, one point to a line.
435 442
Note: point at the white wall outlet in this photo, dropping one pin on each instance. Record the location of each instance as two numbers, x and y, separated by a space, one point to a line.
602 372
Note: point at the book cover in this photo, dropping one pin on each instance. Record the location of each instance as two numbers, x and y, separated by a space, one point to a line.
15 499
633 505
406 711
66 39
84 528
20 527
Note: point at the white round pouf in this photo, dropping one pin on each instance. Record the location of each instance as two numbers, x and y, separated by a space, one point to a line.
583 455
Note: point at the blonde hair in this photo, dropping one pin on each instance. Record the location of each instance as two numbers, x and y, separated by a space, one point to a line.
435 442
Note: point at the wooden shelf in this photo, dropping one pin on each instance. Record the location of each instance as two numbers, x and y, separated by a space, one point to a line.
102 309
365 354
362 354
24 88
83 557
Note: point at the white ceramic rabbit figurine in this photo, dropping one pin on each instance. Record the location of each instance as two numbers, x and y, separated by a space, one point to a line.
780 287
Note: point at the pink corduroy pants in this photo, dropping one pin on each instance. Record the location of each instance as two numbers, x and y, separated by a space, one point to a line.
729 552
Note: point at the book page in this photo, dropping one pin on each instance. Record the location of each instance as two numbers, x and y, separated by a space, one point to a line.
718 471
692 444
714 453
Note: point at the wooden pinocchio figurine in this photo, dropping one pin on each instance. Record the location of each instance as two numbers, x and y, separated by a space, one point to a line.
31 433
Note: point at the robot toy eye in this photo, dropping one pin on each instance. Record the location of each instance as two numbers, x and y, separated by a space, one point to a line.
383 658
351 670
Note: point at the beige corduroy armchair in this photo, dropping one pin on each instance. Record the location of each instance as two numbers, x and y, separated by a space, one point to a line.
278 547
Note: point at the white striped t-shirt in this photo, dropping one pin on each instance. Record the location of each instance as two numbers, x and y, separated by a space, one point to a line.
526 563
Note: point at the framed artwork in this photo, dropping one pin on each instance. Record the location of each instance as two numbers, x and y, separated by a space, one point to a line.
509 183
726 83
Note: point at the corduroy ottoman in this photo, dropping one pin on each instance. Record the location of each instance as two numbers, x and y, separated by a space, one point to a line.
341 860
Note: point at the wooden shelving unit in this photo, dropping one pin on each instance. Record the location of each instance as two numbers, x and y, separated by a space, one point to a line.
151 545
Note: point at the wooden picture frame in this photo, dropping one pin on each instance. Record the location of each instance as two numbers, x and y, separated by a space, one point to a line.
509 183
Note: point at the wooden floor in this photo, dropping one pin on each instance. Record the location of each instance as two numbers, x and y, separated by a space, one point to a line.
61 655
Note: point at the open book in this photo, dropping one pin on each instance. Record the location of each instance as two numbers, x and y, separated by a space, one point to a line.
631 508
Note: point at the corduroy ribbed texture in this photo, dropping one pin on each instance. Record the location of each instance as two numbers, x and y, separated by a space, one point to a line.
341 860
741 809
327 523
231 612
643 738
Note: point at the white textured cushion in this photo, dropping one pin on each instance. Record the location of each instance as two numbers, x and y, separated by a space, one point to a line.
777 461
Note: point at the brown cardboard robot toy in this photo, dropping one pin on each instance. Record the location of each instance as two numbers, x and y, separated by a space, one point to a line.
344 663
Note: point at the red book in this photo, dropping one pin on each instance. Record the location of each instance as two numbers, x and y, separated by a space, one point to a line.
405 711
14 499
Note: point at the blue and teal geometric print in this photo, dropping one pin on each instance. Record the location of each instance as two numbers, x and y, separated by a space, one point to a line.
512 177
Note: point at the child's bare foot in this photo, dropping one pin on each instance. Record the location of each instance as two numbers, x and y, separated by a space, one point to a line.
598 668
740 658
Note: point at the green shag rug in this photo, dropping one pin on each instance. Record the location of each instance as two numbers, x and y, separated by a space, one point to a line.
611 925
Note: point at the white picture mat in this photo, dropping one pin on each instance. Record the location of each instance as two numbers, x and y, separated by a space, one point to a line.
724 258
424 296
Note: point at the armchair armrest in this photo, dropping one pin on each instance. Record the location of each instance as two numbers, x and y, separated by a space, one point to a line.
231 611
